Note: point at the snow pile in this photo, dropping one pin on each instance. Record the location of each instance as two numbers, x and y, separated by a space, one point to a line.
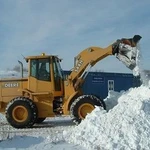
126 126
112 99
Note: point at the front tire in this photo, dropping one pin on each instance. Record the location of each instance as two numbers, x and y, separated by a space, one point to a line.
83 105
21 112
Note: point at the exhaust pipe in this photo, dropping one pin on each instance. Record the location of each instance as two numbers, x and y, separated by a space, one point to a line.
21 66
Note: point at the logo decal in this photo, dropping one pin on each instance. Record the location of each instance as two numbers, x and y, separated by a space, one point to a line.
79 64
11 85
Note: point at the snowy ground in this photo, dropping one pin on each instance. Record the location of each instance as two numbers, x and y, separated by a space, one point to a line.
48 135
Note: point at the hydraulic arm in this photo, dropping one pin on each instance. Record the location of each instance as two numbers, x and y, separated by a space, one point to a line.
124 49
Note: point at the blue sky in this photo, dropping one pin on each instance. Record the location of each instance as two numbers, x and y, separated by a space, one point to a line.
65 27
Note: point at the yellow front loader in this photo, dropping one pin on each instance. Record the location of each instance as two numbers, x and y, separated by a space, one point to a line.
46 93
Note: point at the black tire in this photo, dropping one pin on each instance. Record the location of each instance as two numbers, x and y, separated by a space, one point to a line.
83 105
21 112
40 120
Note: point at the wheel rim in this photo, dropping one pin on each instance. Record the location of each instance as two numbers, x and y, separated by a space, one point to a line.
84 109
20 113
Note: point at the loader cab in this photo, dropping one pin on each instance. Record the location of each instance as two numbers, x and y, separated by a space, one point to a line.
45 74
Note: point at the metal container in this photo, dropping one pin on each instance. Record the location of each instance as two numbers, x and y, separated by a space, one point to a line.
100 83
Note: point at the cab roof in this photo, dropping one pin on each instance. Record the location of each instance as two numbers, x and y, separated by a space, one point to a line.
43 55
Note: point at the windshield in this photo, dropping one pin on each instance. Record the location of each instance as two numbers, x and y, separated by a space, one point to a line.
40 69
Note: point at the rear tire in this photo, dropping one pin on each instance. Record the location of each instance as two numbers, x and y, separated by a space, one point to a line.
21 112
84 105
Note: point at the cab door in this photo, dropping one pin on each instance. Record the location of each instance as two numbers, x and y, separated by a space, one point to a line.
58 77
40 75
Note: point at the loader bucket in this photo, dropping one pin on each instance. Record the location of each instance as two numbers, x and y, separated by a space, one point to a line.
128 55
126 50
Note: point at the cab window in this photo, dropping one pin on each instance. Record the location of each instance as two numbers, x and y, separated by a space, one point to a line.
40 69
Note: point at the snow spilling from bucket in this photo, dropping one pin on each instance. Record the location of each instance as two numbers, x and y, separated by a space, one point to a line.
137 70
125 126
